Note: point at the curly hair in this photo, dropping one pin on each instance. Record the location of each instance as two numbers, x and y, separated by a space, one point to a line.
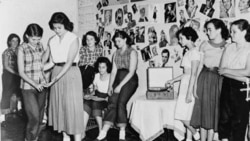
103 60
189 33
219 24
61 18
11 36
90 33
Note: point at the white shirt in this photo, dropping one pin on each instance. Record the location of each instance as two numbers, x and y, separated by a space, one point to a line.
102 85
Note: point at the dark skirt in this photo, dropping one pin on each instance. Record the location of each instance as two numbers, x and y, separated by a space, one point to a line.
10 85
206 108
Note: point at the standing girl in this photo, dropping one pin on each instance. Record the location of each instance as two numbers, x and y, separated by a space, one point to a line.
123 84
66 99
30 67
190 62
10 76
206 109
235 67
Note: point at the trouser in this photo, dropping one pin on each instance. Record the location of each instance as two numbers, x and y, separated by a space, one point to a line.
88 75
10 85
34 103
117 111
234 111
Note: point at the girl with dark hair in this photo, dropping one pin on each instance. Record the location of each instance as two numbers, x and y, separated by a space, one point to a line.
206 109
66 99
30 67
96 101
191 8
235 67
122 85
190 63
89 52
10 76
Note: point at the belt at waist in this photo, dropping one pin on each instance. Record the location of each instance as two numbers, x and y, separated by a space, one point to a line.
213 69
62 64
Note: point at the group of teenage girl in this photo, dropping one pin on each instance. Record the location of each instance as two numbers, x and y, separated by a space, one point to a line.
210 97
82 82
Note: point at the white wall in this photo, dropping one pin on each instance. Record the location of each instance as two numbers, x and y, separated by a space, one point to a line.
15 15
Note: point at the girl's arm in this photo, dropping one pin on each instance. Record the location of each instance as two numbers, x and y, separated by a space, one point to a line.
6 65
237 72
194 74
20 62
132 70
71 56
112 75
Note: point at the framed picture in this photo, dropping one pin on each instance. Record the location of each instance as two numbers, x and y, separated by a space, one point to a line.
158 76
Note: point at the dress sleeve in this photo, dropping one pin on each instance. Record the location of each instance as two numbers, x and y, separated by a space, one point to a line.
195 55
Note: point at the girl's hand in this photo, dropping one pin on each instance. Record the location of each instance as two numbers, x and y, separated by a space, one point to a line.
169 83
110 91
53 81
39 87
117 89
188 98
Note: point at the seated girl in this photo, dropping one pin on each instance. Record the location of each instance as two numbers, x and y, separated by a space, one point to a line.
96 101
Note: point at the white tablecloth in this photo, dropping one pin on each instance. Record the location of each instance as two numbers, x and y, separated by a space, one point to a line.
150 117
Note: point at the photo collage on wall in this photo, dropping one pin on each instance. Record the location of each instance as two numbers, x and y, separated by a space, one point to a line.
153 26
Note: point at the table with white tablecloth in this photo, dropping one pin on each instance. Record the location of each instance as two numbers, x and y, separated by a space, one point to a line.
150 117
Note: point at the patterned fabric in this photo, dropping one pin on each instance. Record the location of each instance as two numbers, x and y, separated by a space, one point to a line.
33 66
122 61
89 57
12 57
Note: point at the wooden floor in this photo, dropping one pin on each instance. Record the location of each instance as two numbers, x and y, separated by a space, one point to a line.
14 127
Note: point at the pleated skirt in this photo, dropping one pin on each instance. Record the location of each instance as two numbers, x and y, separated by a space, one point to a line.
66 102
206 108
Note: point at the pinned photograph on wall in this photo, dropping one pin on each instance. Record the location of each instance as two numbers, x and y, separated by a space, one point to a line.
140 34
194 23
154 50
172 35
125 9
107 17
136 0
101 11
183 19
100 32
177 56
125 29
191 8
155 13
105 3
180 3
227 8
165 55
131 22
97 16
170 12
134 8
244 6
146 54
119 17
163 39
132 36
207 8
152 35
99 5
108 42
143 10
118 2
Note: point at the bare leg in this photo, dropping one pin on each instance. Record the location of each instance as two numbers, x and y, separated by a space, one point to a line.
99 122
77 137
193 131
210 136
66 137
85 122
104 131
203 134
122 132
189 135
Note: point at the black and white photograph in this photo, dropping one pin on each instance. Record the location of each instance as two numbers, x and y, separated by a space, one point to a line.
119 17
146 54
170 12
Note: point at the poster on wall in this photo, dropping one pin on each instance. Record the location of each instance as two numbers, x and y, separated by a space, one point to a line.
118 2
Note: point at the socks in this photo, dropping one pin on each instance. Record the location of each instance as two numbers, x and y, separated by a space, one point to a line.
102 135
196 136
66 137
122 134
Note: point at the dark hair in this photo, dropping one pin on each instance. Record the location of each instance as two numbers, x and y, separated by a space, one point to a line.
212 2
165 51
186 6
219 24
123 35
243 25
189 33
61 18
103 60
90 33
11 36
32 30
